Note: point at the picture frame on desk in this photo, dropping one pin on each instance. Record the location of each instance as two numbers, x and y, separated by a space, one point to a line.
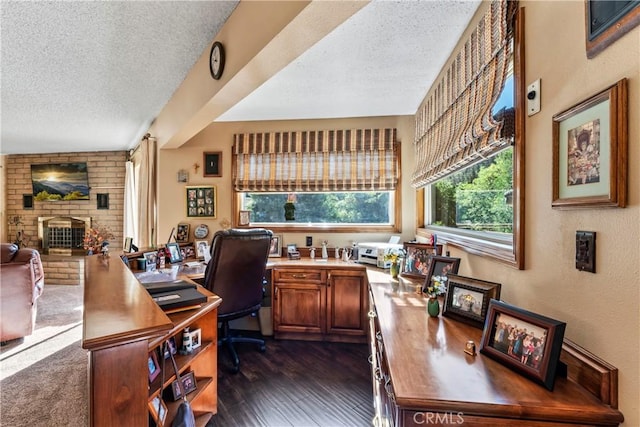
151 258
175 254
418 259
196 338
202 248
467 299
189 252
527 342
158 410
154 366
128 241
275 250
188 383
182 233
441 266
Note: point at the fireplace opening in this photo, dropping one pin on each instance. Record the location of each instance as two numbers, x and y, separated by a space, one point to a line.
62 235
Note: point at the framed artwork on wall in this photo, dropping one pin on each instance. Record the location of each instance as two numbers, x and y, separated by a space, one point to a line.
606 21
590 151
182 234
212 164
201 201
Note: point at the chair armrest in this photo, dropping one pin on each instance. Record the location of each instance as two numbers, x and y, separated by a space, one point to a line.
18 280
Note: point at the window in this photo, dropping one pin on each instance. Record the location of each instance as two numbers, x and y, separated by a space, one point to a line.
334 180
335 209
478 204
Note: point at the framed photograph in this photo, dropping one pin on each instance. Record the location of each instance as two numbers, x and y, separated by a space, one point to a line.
189 252
606 21
590 151
154 366
417 259
441 266
526 342
158 410
175 255
467 299
212 163
127 244
202 248
182 233
275 250
170 347
196 338
244 218
201 201
151 258
188 382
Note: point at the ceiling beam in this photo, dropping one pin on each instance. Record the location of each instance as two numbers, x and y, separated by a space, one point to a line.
260 39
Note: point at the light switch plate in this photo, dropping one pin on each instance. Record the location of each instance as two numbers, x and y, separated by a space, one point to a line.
586 251
533 98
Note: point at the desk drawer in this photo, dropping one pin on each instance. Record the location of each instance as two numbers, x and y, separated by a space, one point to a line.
298 275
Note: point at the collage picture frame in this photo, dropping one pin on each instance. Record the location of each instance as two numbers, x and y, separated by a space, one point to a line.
201 201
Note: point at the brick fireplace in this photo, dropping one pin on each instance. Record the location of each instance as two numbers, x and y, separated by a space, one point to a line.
62 235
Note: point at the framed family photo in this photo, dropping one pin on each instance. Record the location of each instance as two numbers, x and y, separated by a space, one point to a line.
417 259
526 342
175 254
441 266
590 151
158 410
275 250
182 233
467 299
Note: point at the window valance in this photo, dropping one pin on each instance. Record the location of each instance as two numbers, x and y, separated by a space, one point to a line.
324 160
455 126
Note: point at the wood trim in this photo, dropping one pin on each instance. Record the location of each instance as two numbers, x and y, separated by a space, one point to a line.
597 376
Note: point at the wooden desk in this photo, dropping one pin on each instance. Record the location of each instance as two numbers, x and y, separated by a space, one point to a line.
121 326
422 376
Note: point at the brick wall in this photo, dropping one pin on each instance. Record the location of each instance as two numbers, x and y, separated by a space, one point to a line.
106 170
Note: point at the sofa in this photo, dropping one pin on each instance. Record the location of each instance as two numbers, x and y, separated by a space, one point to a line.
21 283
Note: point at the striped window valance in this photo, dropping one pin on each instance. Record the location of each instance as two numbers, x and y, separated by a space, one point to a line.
454 126
325 160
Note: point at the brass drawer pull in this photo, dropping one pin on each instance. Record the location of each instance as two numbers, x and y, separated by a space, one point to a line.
299 276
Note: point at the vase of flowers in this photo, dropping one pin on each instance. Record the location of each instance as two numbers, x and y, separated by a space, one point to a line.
395 256
95 239
436 289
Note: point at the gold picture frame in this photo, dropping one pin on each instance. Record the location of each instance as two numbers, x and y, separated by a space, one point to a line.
590 151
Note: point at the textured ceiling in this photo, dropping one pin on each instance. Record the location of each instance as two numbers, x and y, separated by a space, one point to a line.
85 76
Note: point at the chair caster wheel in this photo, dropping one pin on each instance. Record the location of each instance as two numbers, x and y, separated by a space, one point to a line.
234 370
263 348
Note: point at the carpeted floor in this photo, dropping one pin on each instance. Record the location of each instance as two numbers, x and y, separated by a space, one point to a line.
44 376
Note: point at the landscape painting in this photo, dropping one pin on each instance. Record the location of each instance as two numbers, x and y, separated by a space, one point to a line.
60 181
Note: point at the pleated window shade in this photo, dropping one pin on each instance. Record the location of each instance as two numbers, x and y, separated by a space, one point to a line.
325 160
454 126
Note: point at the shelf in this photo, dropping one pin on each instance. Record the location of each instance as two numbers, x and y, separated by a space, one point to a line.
183 361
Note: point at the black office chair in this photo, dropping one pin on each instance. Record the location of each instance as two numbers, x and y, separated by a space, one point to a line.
236 274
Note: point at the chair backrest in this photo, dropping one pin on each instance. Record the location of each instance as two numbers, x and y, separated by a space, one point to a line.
236 269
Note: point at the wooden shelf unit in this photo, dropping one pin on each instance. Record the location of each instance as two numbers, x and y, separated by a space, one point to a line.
121 326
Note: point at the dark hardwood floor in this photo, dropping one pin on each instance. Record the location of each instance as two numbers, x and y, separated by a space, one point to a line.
295 383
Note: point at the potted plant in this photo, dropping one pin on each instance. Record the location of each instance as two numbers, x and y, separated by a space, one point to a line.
395 256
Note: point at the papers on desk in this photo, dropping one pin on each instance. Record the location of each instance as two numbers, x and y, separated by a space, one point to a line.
193 264
162 275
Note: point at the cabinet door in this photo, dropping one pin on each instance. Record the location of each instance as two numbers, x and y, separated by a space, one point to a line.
299 307
347 302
